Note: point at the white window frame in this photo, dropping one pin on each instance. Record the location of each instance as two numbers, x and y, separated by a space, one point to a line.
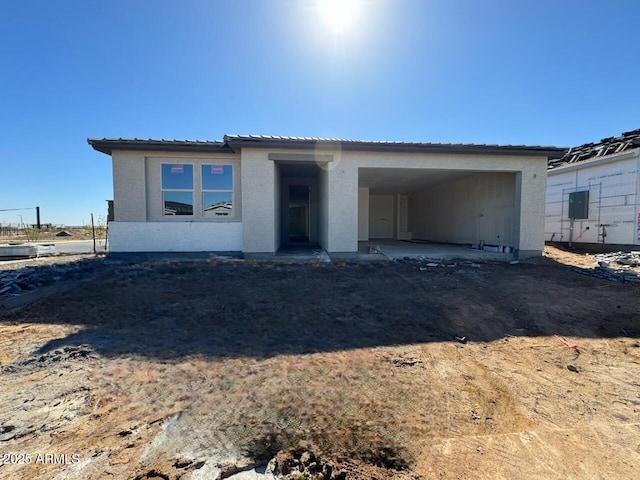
204 191
191 190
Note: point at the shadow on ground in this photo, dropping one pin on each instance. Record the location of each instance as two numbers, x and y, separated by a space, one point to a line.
226 310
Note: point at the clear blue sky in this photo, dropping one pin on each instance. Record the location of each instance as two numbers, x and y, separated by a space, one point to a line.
551 72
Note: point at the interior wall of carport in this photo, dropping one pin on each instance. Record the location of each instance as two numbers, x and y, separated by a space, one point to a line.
529 189
478 207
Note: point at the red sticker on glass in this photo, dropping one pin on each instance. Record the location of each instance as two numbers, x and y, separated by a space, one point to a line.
177 168
217 169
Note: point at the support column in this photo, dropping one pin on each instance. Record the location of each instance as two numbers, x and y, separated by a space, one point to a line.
259 214
342 218
531 187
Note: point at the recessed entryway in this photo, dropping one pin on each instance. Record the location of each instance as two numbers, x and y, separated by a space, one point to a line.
298 222
299 209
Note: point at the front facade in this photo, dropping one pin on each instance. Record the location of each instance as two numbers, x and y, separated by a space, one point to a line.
254 194
593 193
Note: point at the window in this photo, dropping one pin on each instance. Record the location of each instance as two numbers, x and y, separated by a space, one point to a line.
217 190
177 189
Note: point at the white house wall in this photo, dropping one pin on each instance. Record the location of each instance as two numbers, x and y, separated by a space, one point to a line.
475 208
613 200
175 237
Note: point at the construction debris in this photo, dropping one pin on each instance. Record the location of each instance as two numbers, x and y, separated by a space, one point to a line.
606 146
629 259
28 278
615 266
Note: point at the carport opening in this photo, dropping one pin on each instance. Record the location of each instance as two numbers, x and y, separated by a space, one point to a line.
441 206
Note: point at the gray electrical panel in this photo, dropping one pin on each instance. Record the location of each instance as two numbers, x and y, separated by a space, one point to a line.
579 205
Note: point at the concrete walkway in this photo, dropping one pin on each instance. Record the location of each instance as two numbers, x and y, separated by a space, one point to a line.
399 249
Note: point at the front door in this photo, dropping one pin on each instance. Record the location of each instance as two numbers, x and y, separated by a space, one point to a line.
299 207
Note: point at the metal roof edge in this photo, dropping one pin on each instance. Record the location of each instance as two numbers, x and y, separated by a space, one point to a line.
232 143
108 145
255 141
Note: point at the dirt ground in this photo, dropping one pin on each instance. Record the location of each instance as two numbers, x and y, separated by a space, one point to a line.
204 369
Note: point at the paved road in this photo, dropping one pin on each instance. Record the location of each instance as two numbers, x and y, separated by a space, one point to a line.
84 246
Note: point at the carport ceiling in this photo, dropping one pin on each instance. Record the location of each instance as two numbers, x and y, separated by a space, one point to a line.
406 180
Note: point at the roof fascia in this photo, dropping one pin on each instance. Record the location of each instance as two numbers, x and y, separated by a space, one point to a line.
549 152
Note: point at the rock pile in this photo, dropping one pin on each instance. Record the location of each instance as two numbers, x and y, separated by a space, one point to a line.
616 266
28 278
625 259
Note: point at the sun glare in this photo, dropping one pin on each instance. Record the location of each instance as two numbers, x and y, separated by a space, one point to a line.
339 15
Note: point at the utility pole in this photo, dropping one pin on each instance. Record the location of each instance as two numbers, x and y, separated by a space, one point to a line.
93 229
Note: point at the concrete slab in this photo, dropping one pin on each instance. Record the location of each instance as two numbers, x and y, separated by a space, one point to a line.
301 253
399 249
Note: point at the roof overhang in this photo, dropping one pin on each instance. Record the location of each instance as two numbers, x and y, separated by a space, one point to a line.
108 145
234 143
250 141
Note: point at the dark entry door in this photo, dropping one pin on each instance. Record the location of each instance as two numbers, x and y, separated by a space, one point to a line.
299 207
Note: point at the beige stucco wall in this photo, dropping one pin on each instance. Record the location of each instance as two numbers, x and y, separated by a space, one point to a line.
260 202
137 188
129 189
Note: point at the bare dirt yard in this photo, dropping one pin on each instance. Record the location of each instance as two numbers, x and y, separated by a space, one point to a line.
236 369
